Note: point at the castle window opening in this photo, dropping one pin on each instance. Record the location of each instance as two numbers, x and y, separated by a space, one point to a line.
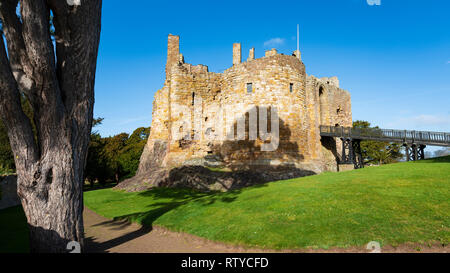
193 98
249 88
291 87
322 104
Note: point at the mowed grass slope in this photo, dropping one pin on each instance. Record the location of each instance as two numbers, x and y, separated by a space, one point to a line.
391 204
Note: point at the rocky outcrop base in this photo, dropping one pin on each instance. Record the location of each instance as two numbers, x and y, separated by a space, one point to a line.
206 180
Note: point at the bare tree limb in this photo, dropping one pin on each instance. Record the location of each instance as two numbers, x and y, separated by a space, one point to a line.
18 58
74 26
17 123
49 110
36 34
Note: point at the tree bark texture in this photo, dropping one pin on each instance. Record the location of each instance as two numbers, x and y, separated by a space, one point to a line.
57 79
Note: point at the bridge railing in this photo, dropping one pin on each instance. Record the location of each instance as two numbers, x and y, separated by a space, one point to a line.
419 137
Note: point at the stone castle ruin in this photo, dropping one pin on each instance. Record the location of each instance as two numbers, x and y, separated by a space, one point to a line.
208 119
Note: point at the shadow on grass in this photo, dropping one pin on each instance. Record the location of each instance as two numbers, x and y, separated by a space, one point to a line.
174 197
92 246
98 186
14 232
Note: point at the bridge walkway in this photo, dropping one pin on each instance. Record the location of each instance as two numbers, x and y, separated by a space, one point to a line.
414 141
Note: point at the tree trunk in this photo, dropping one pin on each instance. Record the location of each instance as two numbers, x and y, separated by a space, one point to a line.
52 200
60 90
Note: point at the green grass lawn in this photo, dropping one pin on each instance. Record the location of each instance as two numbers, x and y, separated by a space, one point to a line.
13 231
391 204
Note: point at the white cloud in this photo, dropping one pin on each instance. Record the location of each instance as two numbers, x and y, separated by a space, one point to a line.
374 2
274 42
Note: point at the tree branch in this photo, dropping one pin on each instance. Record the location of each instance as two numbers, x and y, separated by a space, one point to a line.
48 108
18 58
77 35
18 125
36 35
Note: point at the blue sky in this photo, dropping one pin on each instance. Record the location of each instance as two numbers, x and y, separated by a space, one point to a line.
393 58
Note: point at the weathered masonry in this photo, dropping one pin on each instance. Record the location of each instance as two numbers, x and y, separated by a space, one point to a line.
193 101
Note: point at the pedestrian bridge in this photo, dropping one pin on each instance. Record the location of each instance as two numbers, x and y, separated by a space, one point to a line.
413 141
388 135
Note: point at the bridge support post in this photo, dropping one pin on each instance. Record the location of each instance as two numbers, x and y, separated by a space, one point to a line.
407 152
347 151
421 152
414 152
351 152
357 156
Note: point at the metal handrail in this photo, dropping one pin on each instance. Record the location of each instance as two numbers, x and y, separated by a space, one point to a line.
391 135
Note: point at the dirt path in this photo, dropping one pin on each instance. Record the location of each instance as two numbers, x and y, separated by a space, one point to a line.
105 235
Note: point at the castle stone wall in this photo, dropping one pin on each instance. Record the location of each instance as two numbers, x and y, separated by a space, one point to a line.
188 110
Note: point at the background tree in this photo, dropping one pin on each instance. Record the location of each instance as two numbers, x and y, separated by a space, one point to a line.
131 154
113 159
375 151
96 166
58 80
113 149
6 154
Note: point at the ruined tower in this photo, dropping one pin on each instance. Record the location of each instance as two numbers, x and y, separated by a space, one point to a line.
194 101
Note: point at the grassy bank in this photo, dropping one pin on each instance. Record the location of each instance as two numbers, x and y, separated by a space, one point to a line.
392 204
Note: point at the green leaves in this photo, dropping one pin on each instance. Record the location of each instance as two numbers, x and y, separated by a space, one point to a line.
117 157
6 155
378 152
